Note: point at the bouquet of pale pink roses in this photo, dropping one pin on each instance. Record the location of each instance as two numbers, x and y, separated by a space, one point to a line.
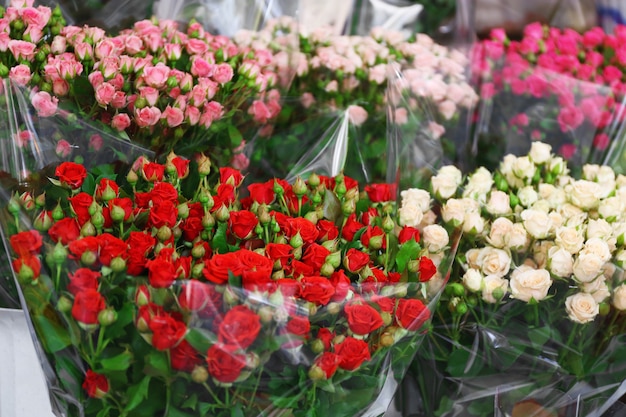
537 304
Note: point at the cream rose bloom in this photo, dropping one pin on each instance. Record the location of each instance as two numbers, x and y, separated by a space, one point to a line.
410 215
435 238
597 288
472 257
557 166
581 307
573 215
620 258
527 196
493 261
598 247
473 223
537 223
417 197
453 211
570 239
498 232
527 283
611 208
540 152
499 203
473 280
540 252
541 205
492 283
517 239
587 267
478 185
446 182
590 171
524 168
601 229
584 194
560 262
619 297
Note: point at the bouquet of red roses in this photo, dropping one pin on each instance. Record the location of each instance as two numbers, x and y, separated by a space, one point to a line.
154 291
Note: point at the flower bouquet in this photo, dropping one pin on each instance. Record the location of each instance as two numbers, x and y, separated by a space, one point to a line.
534 318
153 290
553 85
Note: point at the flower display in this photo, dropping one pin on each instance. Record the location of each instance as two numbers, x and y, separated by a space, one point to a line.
154 290
538 285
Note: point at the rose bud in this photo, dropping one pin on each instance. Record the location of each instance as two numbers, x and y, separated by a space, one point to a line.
333 308
312 217
331 245
107 317
299 187
183 211
64 305
296 241
96 385
388 224
348 207
142 296
40 201
43 221
352 194
164 233
314 180
88 229
222 214
98 220
327 269
59 254
27 201
387 339
132 178
118 264
57 212
252 360
199 375
204 165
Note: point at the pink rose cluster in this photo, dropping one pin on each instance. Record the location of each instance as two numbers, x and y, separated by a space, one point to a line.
581 74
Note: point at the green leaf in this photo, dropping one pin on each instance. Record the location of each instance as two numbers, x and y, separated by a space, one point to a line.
408 252
539 336
201 339
457 363
104 412
120 362
206 409
124 318
137 393
89 184
237 411
332 207
173 412
191 402
219 242
157 364
53 336
235 136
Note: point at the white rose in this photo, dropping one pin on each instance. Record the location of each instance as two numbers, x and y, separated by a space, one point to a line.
541 205
435 238
524 168
598 247
478 185
528 283
473 223
556 198
472 257
590 171
611 208
446 182
527 196
429 218
517 239
540 152
601 229
560 262
573 215
493 283
410 215
570 239
499 203
619 297
605 175
506 165
620 181
557 166
416 196
597 288
473 280
453 211
620 258
434 285
587 267
557 221
500 228
513 181
537 223
545 190
585 194
581 307
540 252
494 261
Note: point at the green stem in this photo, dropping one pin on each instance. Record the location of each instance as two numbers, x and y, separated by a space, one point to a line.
215 397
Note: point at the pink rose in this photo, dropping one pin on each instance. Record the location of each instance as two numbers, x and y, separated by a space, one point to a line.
105 48
223 73
201 68
133 44
601 141
119 100
240 161
173 51
259 111
147 116
60 88
20 75
104 94
534 31
156 76
570 118
109 66
173 116
44 103
95 142
150 94
196 47
22 49
436 130
63 148
120 122
357 115
593 37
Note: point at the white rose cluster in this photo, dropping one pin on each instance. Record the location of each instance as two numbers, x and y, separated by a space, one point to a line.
414 206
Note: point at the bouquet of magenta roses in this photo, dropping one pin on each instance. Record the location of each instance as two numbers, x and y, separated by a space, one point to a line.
153 290
533 321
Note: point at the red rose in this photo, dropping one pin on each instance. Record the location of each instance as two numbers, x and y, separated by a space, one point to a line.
342 285
262 193
355 260
318 290
352 353
326 337
315 256
95 385
220 265
184 357
181 165
194 295
258 280
240 327
242 223
65 231
107 188
307 230
166 331
71 174
163 191
407 233
225 195
161 273
140 242
230 174
289 287
300 269
163 214
427 269
87 305
328 362
368 216
111 247
362 318
299 326
375 236
192 227
326 230
86 244
153 172
26 243
120 208
379 193
224 364
393 277
411 314
83 279
182 265
80 204
350 182
214 303
386 304
146 313
351 227
28 261
142 200
279 252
